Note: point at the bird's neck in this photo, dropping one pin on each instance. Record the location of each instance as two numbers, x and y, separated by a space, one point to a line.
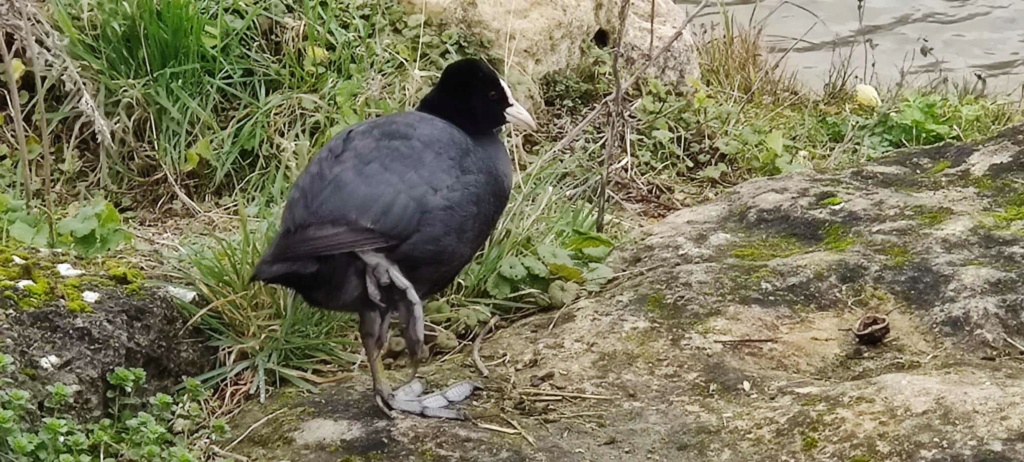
435 105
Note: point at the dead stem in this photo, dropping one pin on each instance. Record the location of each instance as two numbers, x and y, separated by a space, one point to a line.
616 113
476 345
18 120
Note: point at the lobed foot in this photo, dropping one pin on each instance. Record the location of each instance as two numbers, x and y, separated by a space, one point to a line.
409 398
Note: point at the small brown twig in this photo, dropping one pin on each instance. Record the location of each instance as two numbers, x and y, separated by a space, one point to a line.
253 427
748 340
527 436
650 46
558 314
223 453
476 345
532 391
495 428
1008 339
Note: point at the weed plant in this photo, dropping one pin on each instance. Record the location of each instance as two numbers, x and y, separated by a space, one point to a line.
162 428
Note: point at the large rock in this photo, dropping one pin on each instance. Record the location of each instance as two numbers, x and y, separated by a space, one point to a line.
541 36
53 344
730 339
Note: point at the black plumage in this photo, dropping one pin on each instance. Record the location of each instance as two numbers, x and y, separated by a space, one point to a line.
423 189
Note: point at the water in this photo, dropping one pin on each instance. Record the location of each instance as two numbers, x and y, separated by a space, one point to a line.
964 38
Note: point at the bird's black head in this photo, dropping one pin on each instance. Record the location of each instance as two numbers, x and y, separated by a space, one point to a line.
471 95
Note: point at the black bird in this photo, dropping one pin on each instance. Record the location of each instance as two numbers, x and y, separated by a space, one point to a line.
392 209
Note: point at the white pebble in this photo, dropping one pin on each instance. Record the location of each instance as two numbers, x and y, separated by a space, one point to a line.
17 260
49 362
90 296
184 295
67 271
25 283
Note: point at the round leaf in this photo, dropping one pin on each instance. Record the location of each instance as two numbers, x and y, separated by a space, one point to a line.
512 268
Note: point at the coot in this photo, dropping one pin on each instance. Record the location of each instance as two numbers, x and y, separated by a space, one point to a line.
393 208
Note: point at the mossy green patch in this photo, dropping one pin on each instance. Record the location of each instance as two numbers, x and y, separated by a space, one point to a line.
131 278
837 238
79 306
931 216
123 274
809 443
655 304
763 274
1010 214
897 255
48 286
940 167
831 201
861 458
428 455
768 248
812 401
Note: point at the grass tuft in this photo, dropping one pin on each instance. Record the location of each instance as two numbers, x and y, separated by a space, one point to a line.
266 335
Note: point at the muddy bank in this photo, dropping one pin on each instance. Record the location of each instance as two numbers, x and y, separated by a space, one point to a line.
731 339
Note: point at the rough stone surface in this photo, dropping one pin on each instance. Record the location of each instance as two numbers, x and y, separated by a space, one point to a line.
729 340
144 331
540 36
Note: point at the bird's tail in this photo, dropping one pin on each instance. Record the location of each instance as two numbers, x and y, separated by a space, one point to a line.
275 272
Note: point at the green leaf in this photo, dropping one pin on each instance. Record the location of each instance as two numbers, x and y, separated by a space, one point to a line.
211 36
499 286
22 232
785 164
662 135
191 161
437 307
29 231
108 216
597 275
535 267
512 268
597 253
17 68
203 149
587 240
78 225
551 255
562 293
776 142
714 171
567 272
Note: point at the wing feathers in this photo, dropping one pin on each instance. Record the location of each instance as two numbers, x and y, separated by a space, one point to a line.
325 240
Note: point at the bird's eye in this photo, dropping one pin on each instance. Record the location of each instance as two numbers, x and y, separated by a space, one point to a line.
493 95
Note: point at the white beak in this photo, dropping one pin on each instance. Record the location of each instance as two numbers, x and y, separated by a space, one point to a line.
516 114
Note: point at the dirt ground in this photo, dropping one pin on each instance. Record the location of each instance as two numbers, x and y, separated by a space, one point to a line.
728 337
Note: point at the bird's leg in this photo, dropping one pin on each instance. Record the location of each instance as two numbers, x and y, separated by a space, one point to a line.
369 331
410 312
384 331
379 272
373 289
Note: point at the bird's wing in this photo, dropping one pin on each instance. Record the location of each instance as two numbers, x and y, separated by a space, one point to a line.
370 185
